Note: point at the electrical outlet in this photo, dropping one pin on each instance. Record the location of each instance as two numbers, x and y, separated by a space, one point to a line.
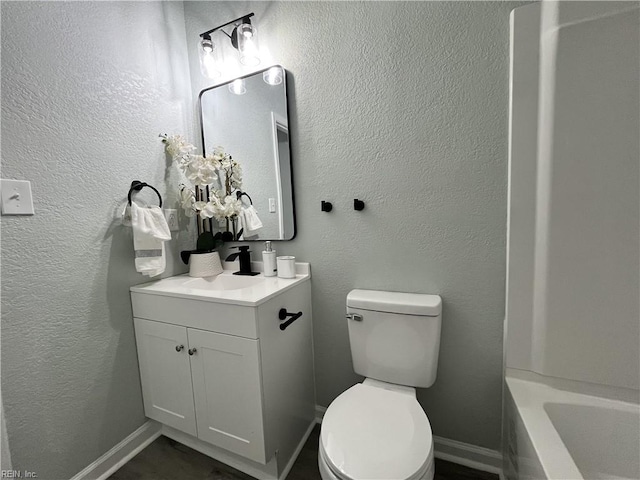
171 214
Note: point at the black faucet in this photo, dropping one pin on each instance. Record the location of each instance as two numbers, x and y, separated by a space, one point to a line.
244 256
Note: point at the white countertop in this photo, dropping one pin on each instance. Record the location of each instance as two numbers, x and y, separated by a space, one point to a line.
263 290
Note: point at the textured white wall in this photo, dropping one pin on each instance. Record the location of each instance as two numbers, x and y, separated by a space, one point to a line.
86 88
403 105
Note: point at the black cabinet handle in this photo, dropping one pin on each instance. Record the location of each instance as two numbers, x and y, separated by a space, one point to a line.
282 314
179 348
192 351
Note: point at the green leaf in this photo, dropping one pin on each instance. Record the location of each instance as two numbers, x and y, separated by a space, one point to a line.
206 241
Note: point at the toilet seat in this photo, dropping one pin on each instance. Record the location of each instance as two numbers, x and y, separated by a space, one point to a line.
373 433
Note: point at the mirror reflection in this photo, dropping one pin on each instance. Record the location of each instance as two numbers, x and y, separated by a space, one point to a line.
248 117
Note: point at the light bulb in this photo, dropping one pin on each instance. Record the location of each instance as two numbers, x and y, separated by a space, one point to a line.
248 44
206 44
273 76
237 87
209 62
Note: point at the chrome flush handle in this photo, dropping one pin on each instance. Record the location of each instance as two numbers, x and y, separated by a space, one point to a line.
354 316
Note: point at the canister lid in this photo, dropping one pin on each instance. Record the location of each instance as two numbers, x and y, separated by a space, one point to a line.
396 302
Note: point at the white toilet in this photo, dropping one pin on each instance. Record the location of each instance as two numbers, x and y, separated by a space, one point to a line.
377 429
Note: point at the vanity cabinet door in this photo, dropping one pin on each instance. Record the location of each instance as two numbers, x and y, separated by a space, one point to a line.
228 399
165 374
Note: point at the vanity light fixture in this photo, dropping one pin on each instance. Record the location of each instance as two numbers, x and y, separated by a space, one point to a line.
243 38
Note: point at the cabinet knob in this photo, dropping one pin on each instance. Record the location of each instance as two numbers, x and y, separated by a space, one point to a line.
192 351
179 348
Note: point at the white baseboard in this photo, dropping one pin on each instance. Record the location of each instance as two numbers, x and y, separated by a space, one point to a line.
472 456
468 455
124 451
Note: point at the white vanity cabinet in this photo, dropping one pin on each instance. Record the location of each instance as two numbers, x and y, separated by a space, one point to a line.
224 378
227 392
165 374
194 378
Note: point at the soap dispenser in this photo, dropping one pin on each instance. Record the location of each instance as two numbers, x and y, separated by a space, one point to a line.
269 260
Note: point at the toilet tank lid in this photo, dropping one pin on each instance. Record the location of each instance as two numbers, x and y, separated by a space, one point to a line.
395 302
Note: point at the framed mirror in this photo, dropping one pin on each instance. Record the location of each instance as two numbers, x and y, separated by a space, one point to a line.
248 117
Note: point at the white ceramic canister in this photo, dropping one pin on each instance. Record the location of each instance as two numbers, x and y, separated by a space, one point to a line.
204 264
286 267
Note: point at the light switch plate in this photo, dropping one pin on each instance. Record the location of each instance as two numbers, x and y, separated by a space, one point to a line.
272 205
16 197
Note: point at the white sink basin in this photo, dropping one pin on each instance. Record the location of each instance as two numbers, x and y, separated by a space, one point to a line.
224 282
226 287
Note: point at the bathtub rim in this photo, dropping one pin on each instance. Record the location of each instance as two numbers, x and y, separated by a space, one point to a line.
602 392
530 397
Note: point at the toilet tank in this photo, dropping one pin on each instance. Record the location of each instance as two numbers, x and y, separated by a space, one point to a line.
395 337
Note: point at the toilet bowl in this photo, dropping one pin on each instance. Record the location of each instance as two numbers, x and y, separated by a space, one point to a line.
377 430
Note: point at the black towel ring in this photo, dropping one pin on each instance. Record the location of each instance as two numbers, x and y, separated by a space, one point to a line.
240 194
137 185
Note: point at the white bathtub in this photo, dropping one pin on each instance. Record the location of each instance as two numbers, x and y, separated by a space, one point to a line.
557 434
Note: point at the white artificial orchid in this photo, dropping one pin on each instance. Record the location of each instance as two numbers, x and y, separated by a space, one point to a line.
219 154
220 210
187 200
177 146
201 170
207 209
231 206
205 171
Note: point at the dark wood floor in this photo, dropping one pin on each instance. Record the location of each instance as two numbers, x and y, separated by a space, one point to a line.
165 459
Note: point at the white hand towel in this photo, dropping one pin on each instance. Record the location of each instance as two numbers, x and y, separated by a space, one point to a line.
242 224
150 231
251 220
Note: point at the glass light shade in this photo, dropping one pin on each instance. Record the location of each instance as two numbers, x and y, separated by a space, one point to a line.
248 44
210 61
273 76
206 44
237 87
